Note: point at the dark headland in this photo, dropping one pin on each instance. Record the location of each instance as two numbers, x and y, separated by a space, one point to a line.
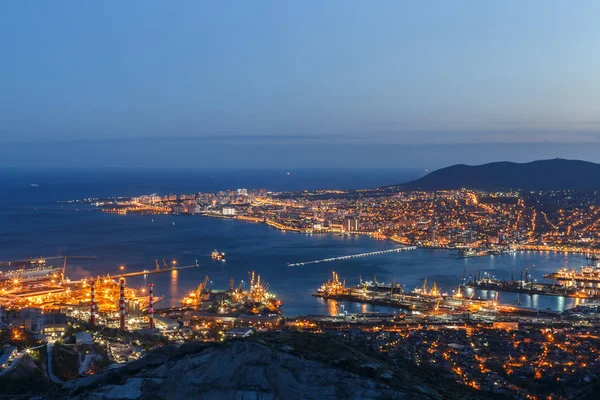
555 174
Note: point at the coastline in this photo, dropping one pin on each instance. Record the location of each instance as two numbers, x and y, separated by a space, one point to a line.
284 228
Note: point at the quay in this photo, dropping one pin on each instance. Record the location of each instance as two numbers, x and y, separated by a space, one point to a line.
406 301
441 305
397 301
372 253
575 278
429 301
421 299
545 289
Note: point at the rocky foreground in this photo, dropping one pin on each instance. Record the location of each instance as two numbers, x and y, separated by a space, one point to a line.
277 366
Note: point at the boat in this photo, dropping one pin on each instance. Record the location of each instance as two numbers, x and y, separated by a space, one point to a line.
588 273
508 250
425 291
592 257
218 255
455 251
465 253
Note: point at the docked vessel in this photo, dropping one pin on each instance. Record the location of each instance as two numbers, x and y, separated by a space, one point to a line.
455 251
218 255
585 274
502 251
464 253
36 270
240 302
419 300
529 287
593 257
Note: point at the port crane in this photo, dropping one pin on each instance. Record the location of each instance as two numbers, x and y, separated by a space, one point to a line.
202 287
200 290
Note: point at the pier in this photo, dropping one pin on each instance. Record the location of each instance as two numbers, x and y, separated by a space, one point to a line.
153 271
372 253
421 300
429 301
545 289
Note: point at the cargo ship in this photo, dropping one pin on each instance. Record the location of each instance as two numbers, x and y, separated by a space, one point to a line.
37 270
529 287
585 274
421 299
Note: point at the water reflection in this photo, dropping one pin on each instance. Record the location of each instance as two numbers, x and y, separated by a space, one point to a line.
332 307
174 285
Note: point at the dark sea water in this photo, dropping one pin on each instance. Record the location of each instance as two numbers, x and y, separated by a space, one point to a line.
33 223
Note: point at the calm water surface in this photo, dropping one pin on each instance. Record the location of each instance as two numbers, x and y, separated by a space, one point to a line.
33 224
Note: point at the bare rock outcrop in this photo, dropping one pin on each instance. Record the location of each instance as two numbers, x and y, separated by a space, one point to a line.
242 370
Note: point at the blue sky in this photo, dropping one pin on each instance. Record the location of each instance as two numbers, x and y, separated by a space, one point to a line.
245 83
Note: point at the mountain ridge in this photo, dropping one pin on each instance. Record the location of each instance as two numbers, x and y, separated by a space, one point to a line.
552 174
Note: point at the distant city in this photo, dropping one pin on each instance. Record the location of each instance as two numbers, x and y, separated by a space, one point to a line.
483 222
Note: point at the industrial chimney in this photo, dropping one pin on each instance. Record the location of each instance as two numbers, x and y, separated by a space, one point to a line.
122 306
151 307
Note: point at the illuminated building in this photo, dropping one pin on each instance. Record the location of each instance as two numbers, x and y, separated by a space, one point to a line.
229 211
55 324
351 224
239 332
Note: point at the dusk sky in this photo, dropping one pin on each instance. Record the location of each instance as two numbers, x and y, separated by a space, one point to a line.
293 84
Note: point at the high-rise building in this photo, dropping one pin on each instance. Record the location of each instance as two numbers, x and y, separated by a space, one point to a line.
242 192
470 236
351 224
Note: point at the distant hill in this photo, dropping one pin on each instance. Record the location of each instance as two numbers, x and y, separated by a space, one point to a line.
556 174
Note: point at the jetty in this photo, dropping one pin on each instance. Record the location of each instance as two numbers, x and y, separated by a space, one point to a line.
372 253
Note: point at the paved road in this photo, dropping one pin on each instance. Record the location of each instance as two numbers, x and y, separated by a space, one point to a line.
50 347
13 364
